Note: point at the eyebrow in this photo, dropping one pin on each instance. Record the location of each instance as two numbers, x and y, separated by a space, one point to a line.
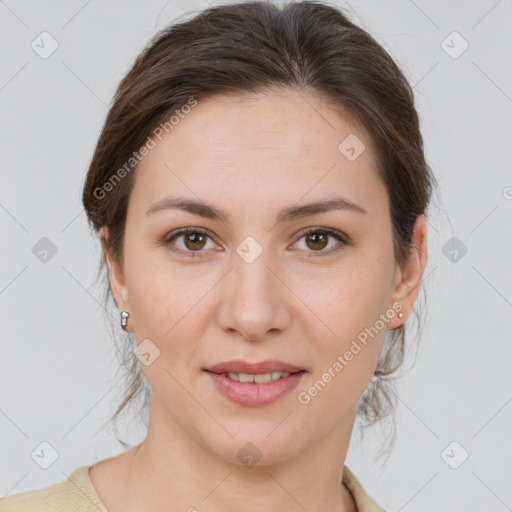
287 214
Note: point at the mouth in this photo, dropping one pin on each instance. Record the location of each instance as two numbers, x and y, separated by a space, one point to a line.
238 366
255 384
258 378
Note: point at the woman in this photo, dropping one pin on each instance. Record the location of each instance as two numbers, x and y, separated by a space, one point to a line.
259 190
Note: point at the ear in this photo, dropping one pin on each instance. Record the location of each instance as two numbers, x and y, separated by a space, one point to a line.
115 275
408 278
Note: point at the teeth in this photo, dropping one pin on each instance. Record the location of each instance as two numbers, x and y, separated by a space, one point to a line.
260 378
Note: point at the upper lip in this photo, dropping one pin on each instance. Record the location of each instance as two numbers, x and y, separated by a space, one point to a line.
239 366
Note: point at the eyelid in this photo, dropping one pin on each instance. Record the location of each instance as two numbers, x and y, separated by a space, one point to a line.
330 231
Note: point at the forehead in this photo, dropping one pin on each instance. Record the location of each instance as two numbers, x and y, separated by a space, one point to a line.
261 146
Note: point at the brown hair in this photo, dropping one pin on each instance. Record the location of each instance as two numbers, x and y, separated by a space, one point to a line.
251 47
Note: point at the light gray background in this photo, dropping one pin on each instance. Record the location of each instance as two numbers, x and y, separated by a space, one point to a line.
58 374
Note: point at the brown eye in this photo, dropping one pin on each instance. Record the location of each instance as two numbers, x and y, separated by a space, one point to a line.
194 240
189 242
316 240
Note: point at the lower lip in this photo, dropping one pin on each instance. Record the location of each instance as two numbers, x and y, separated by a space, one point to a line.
252 394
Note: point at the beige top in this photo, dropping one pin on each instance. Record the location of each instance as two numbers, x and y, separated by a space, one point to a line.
77 494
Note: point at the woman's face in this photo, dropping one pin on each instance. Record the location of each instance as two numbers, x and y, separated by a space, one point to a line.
252 285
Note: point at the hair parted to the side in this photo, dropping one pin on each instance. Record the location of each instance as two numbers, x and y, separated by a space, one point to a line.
252 47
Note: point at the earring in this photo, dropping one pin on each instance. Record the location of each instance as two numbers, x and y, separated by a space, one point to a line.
400 315
124 318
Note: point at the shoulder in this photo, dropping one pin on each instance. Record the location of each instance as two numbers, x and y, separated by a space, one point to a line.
75 494
363 500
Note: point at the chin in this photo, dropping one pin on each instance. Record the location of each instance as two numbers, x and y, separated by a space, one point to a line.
251 445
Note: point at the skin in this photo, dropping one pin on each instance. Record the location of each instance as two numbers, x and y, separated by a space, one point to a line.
252 156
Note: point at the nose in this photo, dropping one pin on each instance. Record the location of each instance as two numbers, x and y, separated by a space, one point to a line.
253 301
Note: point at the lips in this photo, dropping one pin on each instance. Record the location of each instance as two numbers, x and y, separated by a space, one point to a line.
234 379
268 366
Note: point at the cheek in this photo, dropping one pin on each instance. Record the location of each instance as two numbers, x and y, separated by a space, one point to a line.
347 330
168 304
166 308
346 340
350 299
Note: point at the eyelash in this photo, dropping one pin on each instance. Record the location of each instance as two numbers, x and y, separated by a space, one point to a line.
193 254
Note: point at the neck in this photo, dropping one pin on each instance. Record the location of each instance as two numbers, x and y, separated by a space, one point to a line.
172 470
